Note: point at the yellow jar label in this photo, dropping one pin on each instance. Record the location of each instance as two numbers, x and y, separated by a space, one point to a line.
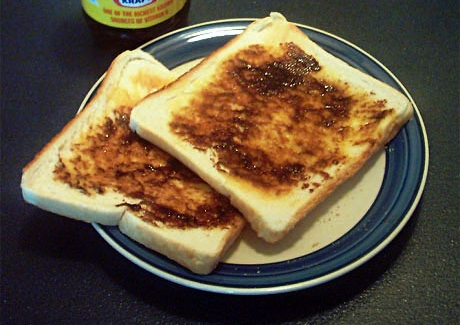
131 14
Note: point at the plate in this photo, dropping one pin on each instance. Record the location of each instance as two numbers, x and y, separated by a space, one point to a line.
362 217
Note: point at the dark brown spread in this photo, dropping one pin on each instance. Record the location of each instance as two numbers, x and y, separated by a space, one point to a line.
272 120
111 157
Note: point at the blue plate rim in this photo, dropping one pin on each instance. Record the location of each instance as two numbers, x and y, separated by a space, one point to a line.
222 283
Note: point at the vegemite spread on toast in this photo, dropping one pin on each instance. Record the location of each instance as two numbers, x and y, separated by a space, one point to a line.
275 119
112 157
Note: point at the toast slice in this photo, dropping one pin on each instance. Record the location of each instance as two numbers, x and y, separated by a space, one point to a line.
272 121
97 170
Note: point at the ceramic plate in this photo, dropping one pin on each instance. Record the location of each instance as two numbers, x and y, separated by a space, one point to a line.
350 227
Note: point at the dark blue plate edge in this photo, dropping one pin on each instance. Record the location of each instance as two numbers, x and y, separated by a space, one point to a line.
247 289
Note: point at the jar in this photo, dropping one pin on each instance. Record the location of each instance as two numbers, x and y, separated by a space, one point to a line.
130 23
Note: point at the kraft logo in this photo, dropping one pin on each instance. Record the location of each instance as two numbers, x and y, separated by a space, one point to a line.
133 3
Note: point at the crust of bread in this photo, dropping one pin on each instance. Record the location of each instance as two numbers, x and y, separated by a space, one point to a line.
195 248
270 214
131 76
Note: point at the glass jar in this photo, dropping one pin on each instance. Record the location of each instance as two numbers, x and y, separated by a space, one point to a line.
130 23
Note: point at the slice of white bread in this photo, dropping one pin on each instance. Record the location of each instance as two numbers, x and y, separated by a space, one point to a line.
97 170
272 121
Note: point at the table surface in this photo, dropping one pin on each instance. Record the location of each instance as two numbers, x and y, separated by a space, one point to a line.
58 271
